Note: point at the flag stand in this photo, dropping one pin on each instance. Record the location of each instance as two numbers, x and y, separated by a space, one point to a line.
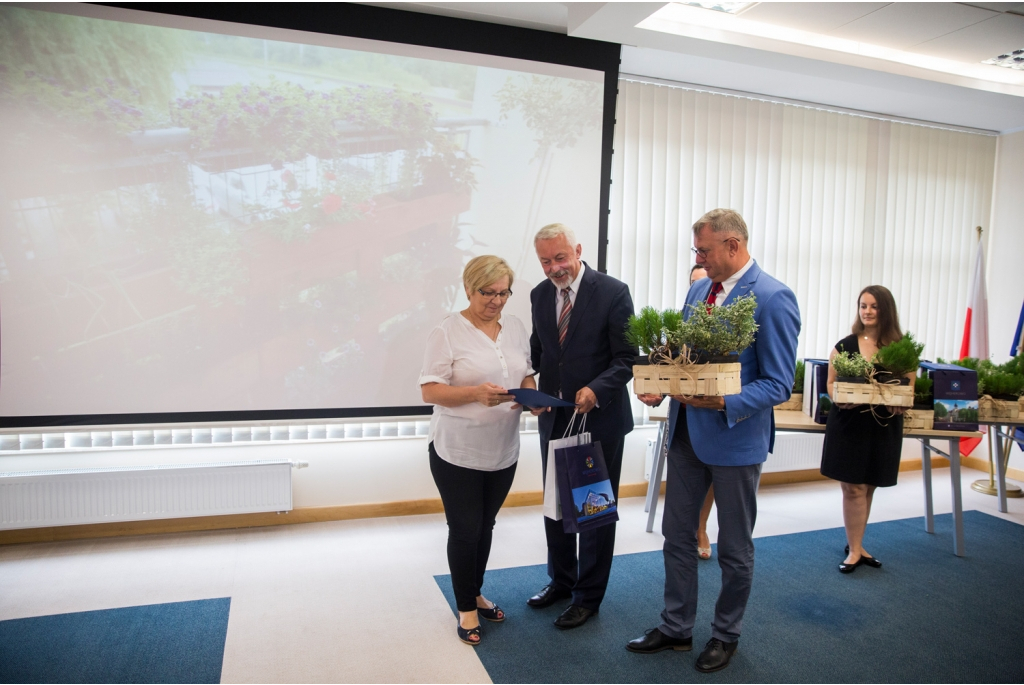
988 487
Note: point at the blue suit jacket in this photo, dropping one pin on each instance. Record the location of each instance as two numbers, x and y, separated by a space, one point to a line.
596 353
744 433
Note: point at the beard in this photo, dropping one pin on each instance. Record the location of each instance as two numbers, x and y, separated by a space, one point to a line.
561 279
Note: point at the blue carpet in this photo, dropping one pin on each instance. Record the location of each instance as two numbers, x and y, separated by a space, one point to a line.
180 642
926 616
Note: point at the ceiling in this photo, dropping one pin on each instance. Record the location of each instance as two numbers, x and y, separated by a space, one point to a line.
917 60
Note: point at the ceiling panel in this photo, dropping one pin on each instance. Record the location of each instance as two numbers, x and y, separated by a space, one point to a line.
819 17
1002 33
903 24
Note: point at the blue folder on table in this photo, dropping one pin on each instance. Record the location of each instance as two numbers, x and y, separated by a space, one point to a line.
528 397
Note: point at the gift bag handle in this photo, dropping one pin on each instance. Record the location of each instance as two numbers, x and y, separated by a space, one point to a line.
572 420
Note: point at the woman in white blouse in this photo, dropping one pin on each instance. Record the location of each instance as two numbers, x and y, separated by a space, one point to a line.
471 359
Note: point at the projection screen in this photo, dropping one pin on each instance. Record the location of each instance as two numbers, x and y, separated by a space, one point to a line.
203 216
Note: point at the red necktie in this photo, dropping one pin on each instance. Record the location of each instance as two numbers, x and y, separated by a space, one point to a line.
713 297
563 318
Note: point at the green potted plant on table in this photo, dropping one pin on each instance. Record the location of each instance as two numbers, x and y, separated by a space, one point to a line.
796 397
922 416
698 356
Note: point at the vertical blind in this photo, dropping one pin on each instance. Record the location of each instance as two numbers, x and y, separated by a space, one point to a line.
833 201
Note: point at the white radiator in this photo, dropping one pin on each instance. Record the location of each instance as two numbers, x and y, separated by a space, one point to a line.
36 499
795 452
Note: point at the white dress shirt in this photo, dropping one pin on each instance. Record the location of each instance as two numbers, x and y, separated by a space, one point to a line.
730 283
460 354
574 289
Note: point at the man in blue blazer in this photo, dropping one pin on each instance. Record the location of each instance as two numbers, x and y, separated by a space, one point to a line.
722 441
579 348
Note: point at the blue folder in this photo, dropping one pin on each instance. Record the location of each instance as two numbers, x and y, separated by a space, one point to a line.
528 397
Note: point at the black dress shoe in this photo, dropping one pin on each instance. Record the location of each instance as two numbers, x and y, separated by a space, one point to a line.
871 561
850 568
655 641
715 656
548 596
573 617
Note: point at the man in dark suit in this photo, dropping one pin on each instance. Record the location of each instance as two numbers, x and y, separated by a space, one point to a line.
722 441
579 348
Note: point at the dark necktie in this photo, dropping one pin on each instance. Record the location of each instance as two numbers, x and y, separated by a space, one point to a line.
713 297
563 318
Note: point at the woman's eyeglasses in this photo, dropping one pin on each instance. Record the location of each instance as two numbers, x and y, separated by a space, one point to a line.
491 294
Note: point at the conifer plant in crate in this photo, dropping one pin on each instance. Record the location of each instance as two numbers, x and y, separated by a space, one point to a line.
698 356
882 380
1000 388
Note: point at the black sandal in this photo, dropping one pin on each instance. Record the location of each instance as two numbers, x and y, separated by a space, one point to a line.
466 633
494 614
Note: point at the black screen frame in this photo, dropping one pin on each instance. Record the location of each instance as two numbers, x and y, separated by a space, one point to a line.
394 26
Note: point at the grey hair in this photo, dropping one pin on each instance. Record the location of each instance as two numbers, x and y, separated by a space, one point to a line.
552 231
723 221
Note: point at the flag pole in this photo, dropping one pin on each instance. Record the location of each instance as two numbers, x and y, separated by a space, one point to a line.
988 486
982 485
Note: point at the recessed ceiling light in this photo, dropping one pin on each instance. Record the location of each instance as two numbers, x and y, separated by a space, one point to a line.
727 7
1011 60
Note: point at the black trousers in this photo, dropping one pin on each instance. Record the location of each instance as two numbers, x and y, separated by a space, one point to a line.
586 574
471 501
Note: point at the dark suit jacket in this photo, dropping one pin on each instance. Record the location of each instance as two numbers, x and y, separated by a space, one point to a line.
596 353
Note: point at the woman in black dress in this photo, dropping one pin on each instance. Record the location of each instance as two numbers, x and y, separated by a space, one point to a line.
862 448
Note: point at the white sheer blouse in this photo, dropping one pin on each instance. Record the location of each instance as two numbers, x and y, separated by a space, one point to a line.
460 354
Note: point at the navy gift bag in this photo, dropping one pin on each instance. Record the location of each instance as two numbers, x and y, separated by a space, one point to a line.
584 488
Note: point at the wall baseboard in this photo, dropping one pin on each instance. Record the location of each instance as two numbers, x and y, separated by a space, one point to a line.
375 510
982 465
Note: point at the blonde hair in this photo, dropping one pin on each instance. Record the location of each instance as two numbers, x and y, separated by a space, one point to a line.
552 231
486 269
723 221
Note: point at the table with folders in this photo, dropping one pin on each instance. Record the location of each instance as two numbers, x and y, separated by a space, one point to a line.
797 421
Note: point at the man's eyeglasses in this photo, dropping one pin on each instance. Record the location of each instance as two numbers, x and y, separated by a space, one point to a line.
703 254
491 294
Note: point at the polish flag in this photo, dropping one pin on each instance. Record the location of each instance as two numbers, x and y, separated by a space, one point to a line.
975 340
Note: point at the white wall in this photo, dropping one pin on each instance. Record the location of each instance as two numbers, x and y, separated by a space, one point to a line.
1006 256
340 472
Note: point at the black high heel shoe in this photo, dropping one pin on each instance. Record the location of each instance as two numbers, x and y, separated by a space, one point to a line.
866 561
850 568
494 614
466 633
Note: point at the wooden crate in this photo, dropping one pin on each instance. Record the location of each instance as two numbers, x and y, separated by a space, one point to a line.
990 409
918 419
794 403
698 379
869 393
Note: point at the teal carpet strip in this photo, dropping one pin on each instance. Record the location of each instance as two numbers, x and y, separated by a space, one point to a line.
179 642
926 616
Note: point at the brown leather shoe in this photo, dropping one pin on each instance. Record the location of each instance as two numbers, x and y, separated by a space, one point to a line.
548 596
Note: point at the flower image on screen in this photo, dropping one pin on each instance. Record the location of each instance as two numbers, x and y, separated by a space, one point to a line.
216 217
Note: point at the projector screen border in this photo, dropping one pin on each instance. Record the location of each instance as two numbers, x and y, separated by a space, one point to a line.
394 26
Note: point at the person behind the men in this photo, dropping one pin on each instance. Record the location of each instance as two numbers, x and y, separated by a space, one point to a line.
697 272
579 348
722 441
470 360
862 446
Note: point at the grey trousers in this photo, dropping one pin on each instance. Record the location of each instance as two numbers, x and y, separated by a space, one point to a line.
687 484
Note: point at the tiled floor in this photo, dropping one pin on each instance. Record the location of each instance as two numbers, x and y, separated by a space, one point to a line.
355 601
